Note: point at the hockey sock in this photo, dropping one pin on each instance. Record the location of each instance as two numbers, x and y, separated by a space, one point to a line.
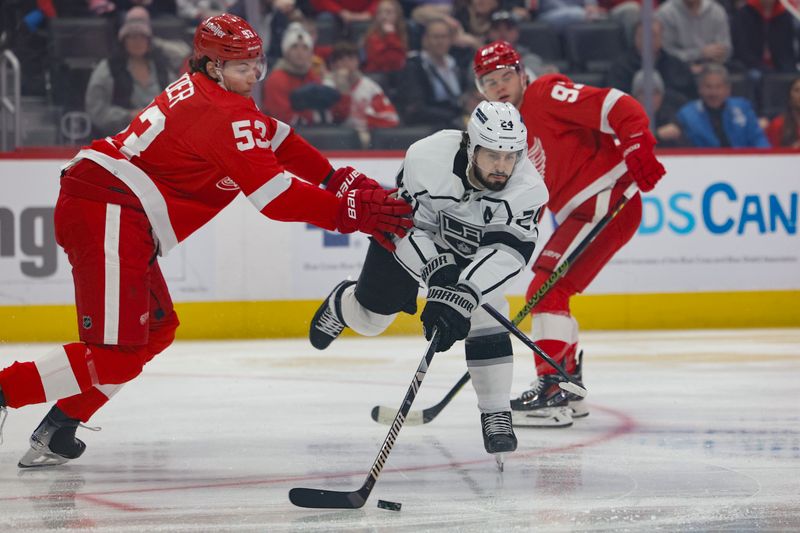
492 386
360 319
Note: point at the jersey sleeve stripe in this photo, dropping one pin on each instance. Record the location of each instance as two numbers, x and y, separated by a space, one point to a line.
608 104
153 202
472 268
502 281
504 241
273 188
516 232
282 130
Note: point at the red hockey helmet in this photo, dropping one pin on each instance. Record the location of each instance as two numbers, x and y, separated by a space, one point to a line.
226 37
493 56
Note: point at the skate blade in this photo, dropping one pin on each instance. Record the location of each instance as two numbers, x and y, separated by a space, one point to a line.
549 417
499 458
36 459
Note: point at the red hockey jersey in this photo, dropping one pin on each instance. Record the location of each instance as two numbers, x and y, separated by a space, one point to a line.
197 146
571 130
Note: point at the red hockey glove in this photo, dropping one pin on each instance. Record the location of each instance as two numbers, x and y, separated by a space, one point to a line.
345 179
641 161
376 213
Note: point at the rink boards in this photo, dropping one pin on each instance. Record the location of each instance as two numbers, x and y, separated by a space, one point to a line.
717 247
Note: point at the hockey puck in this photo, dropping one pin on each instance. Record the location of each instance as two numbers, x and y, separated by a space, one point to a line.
389 506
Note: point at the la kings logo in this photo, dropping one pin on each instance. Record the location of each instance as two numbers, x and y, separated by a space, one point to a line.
463 238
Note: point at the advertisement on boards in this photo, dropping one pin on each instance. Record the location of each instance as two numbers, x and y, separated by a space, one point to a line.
714 223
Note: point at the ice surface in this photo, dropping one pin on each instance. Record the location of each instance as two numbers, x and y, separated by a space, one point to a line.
688 431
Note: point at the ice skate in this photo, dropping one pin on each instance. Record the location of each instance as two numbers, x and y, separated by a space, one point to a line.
544 405
576 403
328 323
498 435
53 442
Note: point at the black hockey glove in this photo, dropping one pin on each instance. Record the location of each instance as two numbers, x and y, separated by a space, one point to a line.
441 271
449 309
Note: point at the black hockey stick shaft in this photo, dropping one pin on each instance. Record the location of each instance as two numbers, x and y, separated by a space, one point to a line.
431 412
514 330
332 499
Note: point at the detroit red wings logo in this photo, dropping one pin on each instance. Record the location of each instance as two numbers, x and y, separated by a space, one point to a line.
227 184
537 156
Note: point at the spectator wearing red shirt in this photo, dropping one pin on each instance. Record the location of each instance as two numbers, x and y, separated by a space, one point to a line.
347 10
386 40
293 91
784 130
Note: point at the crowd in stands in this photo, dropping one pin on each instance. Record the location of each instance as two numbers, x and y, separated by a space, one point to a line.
726 71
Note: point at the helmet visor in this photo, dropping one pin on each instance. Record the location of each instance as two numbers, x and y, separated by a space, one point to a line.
245 68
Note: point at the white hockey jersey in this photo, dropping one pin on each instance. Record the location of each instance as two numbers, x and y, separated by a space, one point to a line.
492 233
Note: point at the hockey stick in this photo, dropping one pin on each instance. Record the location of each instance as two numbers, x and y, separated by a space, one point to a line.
384 415
570 385
334 499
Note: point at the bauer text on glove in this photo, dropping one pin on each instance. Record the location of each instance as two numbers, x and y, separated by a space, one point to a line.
346 179
374 212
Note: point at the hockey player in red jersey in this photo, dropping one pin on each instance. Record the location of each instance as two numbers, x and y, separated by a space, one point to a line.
571 141
129 198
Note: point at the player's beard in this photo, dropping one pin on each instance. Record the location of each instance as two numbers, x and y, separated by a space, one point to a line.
483 180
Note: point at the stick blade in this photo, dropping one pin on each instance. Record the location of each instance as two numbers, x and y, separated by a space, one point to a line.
573 388
385 415
326 499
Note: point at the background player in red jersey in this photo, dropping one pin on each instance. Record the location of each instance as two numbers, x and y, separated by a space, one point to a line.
571 131
129 198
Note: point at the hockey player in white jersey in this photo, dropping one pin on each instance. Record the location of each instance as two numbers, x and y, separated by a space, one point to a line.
476 201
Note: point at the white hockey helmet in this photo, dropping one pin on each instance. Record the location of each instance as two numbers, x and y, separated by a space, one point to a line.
496 126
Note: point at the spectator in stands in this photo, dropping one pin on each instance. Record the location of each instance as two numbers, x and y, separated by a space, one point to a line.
122 85
677 74
695 31
763 37
627 12
176 52
367 105
293 91
347 11
475 18
717 119
784 130
197 10
562 13
432 81
666 104
386 40
505 27
155 8
276 15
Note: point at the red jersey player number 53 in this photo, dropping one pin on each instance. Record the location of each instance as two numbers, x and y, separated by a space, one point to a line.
243 129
